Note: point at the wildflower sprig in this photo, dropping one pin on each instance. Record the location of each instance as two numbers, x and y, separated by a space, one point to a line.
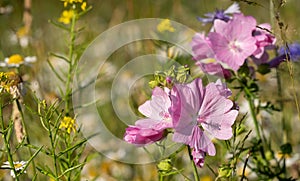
76 8
66 143
70 17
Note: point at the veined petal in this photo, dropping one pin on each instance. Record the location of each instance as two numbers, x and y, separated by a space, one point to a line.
202 143
158 106
187 98
215 114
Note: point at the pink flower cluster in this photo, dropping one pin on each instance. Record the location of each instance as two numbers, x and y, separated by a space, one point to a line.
231 43
195 113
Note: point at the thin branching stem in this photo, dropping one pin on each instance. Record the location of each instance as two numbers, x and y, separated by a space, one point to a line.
195 171
68 92
6 143
26 133
250 100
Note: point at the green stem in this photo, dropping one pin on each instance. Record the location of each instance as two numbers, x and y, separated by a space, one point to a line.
69 153
195 171
71 64
279 92
53 149
161 178
26 133
44 120
290 67
6 144
252 110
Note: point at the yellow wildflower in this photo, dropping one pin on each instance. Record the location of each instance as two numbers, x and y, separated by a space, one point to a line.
66 2
83 6
280 155
8 80
22 32
69 124
4 82
206 178
165 25
13 78
66 16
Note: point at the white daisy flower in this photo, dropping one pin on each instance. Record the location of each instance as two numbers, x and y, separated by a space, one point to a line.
19 165
16 60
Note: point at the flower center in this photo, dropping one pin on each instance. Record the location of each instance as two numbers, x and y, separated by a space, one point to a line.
235 46
201 121
15 59
18 165
166 116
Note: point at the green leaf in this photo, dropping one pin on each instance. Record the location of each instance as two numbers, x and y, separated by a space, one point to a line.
263 69
244 71
286 148
71 169
253 87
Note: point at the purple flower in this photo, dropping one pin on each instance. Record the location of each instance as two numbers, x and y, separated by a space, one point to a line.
292 53
200 113
232 42
263 59
151 129
264 39
220 14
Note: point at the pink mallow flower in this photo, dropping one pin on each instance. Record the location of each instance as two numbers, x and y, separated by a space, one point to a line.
201 113
151 129
202 51
232 41
264 39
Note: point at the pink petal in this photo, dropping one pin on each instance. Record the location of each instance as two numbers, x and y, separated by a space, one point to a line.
186 101
201 47
144 132
215 114
232 42
220 25
156 107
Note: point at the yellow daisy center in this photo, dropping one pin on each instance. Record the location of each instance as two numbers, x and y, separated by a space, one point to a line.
15 59
18 165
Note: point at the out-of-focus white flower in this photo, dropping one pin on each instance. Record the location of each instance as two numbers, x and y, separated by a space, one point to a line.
16 60
19 165
6 9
